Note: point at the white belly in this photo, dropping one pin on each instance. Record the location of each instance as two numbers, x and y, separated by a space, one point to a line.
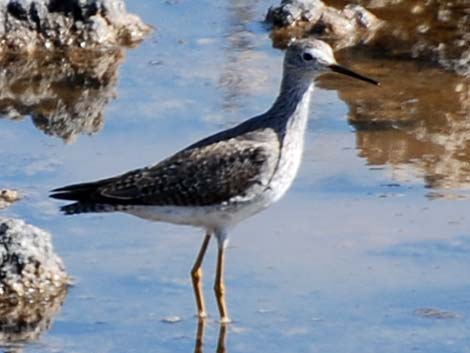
227 215
211 218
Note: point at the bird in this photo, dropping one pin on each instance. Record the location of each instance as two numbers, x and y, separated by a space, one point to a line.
222 179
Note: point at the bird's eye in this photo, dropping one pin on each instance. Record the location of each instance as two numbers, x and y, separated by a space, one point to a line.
307 56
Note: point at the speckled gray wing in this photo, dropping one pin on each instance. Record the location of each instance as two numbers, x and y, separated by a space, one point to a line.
201 176
196 177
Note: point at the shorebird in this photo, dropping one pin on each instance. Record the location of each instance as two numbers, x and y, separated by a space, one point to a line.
220 180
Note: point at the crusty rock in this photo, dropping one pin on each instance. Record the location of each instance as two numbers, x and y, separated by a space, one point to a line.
29 267
347 22
291 11
7 197
298 18
33 283
31 25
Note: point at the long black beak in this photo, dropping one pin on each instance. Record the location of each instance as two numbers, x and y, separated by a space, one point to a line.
342 70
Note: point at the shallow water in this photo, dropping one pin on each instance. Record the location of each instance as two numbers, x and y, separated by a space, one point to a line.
353 259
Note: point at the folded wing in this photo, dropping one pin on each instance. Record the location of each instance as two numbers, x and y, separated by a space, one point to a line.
203 176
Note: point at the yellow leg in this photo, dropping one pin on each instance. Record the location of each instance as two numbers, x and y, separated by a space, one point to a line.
219 287
196 275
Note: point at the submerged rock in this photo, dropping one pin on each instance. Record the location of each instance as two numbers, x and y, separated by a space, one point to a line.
171 319
64 93
29 268
31 25
7 197
432 313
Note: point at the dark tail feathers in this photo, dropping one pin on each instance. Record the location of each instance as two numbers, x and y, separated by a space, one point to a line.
84 192
86 195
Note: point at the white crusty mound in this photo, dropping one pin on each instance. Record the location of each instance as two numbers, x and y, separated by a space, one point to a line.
29 267
31 25
350 26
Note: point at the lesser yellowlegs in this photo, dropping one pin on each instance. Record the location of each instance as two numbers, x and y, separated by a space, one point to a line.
224 178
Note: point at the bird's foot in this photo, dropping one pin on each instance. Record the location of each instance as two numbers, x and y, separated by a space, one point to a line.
202 315
225 320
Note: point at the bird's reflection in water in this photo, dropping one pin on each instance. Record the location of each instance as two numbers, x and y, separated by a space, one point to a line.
199 345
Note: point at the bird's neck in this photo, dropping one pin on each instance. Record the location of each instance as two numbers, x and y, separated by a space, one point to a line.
291 107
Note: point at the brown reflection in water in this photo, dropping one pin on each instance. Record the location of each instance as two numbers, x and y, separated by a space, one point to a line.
64 93
419 117
25 321
221 347
433 31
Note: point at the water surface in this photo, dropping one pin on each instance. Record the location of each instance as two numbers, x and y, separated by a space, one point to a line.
362 255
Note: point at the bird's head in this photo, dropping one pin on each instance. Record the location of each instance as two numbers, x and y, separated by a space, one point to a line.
313 56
